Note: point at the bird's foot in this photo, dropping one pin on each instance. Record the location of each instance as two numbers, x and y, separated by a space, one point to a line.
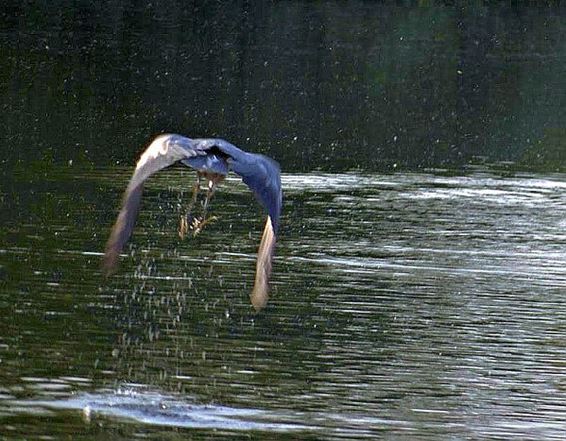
184 226
199 223
193 223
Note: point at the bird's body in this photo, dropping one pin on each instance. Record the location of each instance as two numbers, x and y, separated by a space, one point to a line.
212 159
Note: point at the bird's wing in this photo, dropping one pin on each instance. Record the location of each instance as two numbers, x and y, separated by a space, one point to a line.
164 151
264 180
262 175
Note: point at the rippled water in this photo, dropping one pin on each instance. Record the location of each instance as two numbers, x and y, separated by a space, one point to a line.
412 305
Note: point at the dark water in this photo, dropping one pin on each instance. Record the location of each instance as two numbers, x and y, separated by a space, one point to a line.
322 85
408 305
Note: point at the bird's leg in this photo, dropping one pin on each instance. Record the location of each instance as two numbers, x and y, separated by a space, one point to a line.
209 193
199 224
185 224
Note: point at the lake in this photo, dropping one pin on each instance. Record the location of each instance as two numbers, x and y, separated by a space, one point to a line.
405 305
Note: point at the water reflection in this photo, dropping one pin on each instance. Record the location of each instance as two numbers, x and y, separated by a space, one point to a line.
403 304
318 84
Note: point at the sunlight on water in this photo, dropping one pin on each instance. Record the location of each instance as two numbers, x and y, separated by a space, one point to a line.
149 407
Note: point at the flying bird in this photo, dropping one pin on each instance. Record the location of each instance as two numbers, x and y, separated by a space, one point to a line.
212 159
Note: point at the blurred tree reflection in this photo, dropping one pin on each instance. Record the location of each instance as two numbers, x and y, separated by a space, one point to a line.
317 85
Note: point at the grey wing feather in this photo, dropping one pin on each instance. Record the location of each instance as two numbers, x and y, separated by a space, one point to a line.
163 152
262 175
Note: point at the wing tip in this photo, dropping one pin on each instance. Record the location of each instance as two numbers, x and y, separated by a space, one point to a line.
259 297
260 292
109 264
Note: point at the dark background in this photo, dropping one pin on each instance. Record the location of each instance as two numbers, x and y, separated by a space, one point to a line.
317 85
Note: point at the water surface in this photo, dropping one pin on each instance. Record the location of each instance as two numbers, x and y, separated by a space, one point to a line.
425 305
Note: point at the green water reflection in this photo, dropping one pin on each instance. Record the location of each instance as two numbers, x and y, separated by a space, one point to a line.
314 84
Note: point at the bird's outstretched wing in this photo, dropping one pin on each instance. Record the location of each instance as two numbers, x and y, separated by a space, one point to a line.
164 151
259 172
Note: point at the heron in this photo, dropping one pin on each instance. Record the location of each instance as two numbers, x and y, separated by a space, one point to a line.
213 159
